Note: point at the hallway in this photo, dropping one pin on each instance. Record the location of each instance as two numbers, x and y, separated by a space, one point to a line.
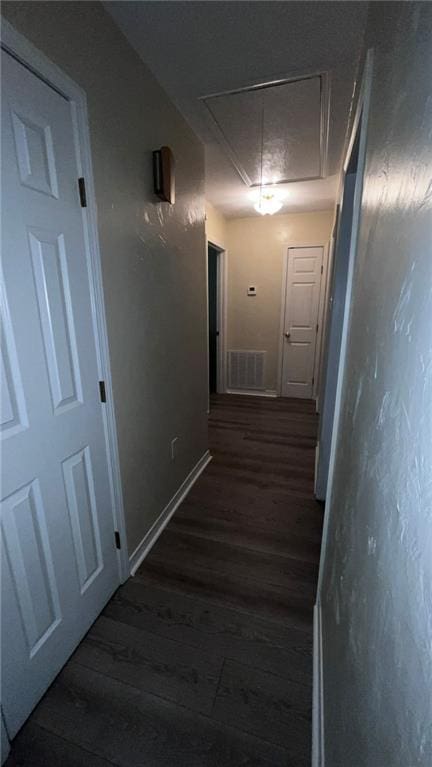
205 657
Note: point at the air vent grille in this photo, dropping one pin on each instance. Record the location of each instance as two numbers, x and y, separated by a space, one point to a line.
246 369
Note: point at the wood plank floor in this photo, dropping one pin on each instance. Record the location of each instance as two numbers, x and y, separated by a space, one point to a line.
204 659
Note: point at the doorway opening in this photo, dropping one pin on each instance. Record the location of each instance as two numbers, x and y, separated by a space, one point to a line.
215 278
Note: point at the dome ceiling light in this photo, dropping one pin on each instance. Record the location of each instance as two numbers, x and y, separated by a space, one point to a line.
268 203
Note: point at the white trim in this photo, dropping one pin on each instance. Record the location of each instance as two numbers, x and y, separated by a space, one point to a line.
361 122
321 308
207 324
254 392
286 248
223 265
20 48
324 122
330 257
317 695
151 536
282 318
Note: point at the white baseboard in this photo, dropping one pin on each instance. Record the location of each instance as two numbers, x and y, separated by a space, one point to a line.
317 696
253 392
150 538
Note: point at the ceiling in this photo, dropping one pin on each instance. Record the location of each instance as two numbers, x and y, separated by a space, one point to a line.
266 86
261 130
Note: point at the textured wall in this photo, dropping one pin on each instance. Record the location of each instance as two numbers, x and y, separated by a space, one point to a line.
377 586
153 254
255 257
216 226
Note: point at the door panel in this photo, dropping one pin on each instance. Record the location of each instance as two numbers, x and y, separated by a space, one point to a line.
35 154
299 361
302 306
81 503
23 521
300 323
50 273
60 564
13 411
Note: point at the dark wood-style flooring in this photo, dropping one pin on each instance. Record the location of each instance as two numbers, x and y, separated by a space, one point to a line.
204 659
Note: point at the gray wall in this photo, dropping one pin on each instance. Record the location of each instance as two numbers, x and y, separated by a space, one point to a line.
335 313
377 586
153 254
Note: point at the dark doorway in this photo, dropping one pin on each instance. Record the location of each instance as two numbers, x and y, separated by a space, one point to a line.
213 256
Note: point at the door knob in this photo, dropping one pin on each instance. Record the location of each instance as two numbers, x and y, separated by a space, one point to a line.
288 335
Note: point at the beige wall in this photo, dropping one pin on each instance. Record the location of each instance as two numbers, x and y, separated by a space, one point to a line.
216 226
255 257
153 254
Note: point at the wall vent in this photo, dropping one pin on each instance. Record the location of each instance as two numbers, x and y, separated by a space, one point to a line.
246 369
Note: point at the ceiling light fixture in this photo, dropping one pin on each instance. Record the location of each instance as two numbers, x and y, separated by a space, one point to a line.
269 201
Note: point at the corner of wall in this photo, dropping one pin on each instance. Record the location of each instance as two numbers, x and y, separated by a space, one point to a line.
216 226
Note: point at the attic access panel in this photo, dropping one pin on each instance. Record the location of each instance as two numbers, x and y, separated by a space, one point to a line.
292 130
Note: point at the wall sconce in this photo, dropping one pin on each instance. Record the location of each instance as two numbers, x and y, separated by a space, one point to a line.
164 174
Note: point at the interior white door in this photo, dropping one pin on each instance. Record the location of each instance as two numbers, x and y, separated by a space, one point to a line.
59 562
302 297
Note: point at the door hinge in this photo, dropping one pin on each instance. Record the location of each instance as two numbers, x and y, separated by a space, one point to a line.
317 326
313 380
82 192
322 268
117 539
102 391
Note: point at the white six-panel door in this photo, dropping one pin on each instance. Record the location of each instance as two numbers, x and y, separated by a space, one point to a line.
59 564
302 299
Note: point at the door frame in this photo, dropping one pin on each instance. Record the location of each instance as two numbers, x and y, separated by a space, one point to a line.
322 295
222 272
20 48
360 123
331 246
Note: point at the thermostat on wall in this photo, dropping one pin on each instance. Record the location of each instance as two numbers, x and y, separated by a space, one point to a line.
251 291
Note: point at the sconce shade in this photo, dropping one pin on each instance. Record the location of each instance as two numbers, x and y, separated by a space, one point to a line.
164 174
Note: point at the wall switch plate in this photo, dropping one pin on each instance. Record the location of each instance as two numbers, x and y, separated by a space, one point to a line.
174 448
252 291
